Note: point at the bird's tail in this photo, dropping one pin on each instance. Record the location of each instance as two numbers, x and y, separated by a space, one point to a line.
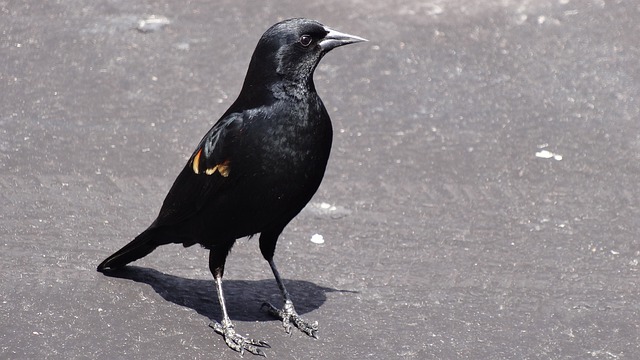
139 247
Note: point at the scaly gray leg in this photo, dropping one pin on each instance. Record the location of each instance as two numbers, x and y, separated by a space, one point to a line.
288 313
234 340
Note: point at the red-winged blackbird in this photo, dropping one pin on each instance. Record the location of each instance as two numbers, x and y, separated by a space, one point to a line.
255 169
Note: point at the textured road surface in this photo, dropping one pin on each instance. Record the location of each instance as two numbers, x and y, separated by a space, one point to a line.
481 201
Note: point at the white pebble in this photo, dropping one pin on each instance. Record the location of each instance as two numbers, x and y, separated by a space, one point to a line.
317 239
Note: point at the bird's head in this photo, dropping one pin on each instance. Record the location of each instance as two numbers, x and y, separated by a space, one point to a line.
290 50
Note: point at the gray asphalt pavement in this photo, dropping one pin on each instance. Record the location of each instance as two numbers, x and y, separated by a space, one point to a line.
481 201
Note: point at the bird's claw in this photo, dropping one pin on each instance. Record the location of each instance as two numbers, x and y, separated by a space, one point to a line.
289 315
238 342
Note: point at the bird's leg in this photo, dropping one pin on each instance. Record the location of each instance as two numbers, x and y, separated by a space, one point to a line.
288 313
234 340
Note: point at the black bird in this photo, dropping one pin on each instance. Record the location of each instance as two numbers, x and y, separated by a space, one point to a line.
256 168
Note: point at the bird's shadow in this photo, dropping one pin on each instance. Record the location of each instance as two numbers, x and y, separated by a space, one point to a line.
243 298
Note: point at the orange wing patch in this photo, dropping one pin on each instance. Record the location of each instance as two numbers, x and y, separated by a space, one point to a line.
222 168
196 162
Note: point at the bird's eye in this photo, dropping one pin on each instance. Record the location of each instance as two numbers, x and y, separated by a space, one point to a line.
305 40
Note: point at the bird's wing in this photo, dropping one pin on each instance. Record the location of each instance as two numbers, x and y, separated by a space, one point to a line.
212 155
207 170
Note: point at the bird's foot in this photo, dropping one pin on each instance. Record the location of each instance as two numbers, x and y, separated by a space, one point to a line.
238 342
288 315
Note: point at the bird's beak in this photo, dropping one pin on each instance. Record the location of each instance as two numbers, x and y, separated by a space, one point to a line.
333 39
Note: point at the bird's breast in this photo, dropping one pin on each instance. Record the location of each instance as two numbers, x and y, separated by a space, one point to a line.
291 144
